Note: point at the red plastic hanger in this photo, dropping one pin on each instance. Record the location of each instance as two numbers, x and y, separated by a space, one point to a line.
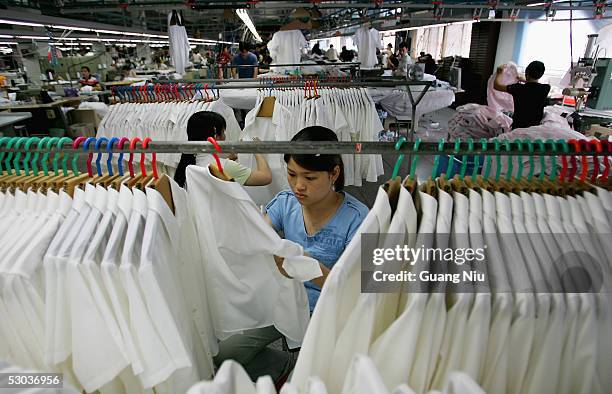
218 149
584 160
131 159
145 144
604 174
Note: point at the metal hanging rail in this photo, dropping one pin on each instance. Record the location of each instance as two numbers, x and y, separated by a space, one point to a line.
324 147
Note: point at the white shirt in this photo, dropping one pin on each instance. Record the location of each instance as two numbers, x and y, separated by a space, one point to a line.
367 41
230 378
285 48
494 376
337 299
397 344
246 292
363 378
267 129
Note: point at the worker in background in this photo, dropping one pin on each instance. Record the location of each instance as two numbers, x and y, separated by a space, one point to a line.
529 95
88 80
332 54
389 50
347 55
197 59
224 58
128 72
204 124
245 58
404 62
316 50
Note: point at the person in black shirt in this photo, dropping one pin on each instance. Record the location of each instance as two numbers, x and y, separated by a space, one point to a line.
529 96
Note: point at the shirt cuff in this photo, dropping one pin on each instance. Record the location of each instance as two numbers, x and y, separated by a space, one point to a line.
302 268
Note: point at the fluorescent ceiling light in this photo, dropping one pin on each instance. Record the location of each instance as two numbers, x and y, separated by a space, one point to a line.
244 15
34 37
20 23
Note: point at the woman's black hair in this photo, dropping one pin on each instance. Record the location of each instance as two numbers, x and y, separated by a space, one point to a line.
318 162
200 126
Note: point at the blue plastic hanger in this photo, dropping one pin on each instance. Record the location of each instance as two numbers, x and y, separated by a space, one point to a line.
109 161
97 149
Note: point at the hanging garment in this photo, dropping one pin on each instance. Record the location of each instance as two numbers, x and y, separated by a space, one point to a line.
337 299
179 42
273 300
267 129
367 41
286 48
434 321
397 344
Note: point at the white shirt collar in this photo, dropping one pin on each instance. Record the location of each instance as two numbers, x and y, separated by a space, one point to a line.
125 201
157 204
65 202
139 203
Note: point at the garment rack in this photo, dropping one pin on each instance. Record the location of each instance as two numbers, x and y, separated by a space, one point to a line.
271 84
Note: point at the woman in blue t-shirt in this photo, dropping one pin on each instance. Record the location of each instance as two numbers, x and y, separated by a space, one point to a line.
317 214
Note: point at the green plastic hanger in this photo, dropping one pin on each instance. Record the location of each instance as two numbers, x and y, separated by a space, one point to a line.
60 145
487 164
540 144
498 160
26 161
434 170
399 160
2 153
531 159
565 148
40 146
519 171
9 157
510 163
20 141
465 157
553 146
415 159
45 158
451 158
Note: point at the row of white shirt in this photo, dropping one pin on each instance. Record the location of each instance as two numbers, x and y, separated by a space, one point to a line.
88 290
362 378
519 337
120 294
162 122
350 113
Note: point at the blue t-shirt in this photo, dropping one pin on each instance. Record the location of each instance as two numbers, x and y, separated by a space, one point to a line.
285 212
250 60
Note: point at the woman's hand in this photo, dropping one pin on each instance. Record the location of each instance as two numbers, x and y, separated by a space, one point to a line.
279 264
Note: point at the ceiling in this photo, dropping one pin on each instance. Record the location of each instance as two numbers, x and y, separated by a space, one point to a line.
217 19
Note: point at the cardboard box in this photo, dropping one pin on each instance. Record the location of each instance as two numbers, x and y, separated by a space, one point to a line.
85 116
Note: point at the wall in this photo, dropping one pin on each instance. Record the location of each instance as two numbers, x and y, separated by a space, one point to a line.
524 42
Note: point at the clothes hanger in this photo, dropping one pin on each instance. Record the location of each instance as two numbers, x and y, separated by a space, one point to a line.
109 163
596 144
410 183
3 171
218 171
603 179
443 181
429 186
122 177
23 175
458 182
133 178
101 177
393 185
28 182
76 179
161 184
145 179
58 182
15 174
483 180
470 179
